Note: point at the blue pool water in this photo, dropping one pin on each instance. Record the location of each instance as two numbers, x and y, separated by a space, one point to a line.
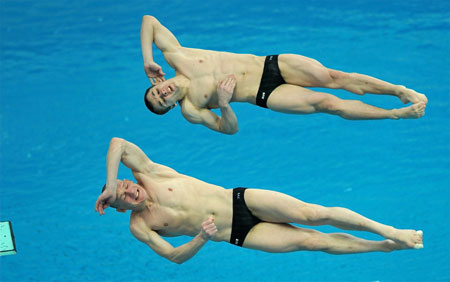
71 77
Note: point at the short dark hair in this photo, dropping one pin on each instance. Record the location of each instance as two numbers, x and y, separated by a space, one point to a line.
150 105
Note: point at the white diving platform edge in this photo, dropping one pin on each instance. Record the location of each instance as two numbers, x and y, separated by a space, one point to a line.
7 243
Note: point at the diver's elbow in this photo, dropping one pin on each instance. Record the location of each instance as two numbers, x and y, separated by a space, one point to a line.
148 18
229 131
176 259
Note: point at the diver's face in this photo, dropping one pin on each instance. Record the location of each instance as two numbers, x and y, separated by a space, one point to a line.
129 195
163 95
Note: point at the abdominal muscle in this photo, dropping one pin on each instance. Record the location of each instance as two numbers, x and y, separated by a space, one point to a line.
248 70
207 68
214 202
181 209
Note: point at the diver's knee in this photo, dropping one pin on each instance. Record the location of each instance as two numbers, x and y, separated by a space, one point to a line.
329 104
317 215
316 241
337 74
337 78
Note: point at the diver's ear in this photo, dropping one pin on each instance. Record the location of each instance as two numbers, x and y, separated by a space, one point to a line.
121 210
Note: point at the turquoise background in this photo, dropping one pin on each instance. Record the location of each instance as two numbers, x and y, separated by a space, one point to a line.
71 78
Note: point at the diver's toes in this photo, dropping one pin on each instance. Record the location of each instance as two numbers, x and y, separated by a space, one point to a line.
418 246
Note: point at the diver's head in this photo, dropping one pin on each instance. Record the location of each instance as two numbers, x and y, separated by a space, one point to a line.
129 196
162 97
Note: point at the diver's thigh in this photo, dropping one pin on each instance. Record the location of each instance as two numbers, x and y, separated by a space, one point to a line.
273 206
278 238
293 99
303 71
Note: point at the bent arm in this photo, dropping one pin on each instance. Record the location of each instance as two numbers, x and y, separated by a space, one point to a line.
181 253
227 123
153 31
163 248
130 155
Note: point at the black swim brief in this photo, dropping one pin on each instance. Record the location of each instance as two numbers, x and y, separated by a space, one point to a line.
271 79
243 219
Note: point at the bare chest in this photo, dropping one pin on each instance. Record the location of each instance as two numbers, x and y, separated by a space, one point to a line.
169 213
205 69
203 92
204 75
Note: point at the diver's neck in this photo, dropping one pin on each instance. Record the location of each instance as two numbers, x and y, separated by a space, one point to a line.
183 83
144 206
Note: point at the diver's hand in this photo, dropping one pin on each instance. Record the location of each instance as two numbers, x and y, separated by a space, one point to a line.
208 228
225 90
106 198
154 73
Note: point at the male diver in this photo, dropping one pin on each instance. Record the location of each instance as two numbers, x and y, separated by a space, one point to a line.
207 80
164 202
